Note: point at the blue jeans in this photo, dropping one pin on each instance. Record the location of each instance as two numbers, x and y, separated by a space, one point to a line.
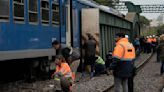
121 85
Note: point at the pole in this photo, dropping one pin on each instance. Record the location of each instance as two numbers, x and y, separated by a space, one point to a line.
60 23
71 23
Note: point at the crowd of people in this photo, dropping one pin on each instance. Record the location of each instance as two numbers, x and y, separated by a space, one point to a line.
146 44
120 62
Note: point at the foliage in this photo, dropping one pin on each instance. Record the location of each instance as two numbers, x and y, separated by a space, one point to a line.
144 21
109 3
149 31
160 29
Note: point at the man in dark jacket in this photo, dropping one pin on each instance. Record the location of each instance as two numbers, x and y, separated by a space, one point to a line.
142 43
123 63
90 51
160 53
59 48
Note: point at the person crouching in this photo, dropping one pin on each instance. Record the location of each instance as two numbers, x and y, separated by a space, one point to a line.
63 74
99 66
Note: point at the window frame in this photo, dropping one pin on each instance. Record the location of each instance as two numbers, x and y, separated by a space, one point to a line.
37 12
43 22
7 18
16 19
54 23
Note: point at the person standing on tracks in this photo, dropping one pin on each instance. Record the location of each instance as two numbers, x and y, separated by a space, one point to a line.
160 53
141 40
137 45
145 44
158 50
149 44
154 43
123 62
90 52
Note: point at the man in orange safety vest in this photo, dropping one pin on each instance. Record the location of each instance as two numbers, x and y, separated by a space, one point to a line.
123 62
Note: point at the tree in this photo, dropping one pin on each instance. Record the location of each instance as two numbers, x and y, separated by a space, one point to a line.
109 3
160 19
144 21
160 29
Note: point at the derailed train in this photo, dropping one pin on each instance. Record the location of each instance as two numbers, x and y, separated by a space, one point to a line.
28 27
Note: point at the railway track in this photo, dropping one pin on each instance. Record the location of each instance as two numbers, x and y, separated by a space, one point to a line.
139 67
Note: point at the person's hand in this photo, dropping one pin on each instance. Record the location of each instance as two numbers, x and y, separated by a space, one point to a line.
58 74
52 76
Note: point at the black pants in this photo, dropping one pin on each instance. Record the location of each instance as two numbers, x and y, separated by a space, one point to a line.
162 67
99 69
130 84
130 81
154 46
145 47
89 60
142 47
158 53
148 48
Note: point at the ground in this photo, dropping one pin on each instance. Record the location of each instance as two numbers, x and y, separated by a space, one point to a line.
149 78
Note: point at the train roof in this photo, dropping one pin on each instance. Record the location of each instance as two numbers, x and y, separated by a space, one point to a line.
101 7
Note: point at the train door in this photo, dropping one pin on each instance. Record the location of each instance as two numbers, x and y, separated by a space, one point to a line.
76 28
90 24
68 23
72 25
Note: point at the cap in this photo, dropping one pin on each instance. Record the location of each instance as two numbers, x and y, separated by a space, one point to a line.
126 36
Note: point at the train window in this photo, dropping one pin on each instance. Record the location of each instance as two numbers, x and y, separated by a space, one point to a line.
55 14
4 9
33 10
18 10
45 11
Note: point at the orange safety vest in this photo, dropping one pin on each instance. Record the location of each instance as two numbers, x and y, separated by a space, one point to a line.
149 40
124 50
65 70
154 40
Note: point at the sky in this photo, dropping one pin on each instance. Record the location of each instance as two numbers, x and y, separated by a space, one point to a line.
141 2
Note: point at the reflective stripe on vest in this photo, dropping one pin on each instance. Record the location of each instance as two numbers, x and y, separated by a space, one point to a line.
69 74
100 61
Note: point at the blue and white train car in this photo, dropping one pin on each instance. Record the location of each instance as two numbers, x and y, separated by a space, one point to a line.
28 27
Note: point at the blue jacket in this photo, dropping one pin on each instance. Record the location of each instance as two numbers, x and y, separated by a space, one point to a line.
122 69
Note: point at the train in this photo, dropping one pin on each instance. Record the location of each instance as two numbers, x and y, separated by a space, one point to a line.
28 27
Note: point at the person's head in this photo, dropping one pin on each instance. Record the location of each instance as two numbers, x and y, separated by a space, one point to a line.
153 36
90 36
127 36
56 44
59 59
119 36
